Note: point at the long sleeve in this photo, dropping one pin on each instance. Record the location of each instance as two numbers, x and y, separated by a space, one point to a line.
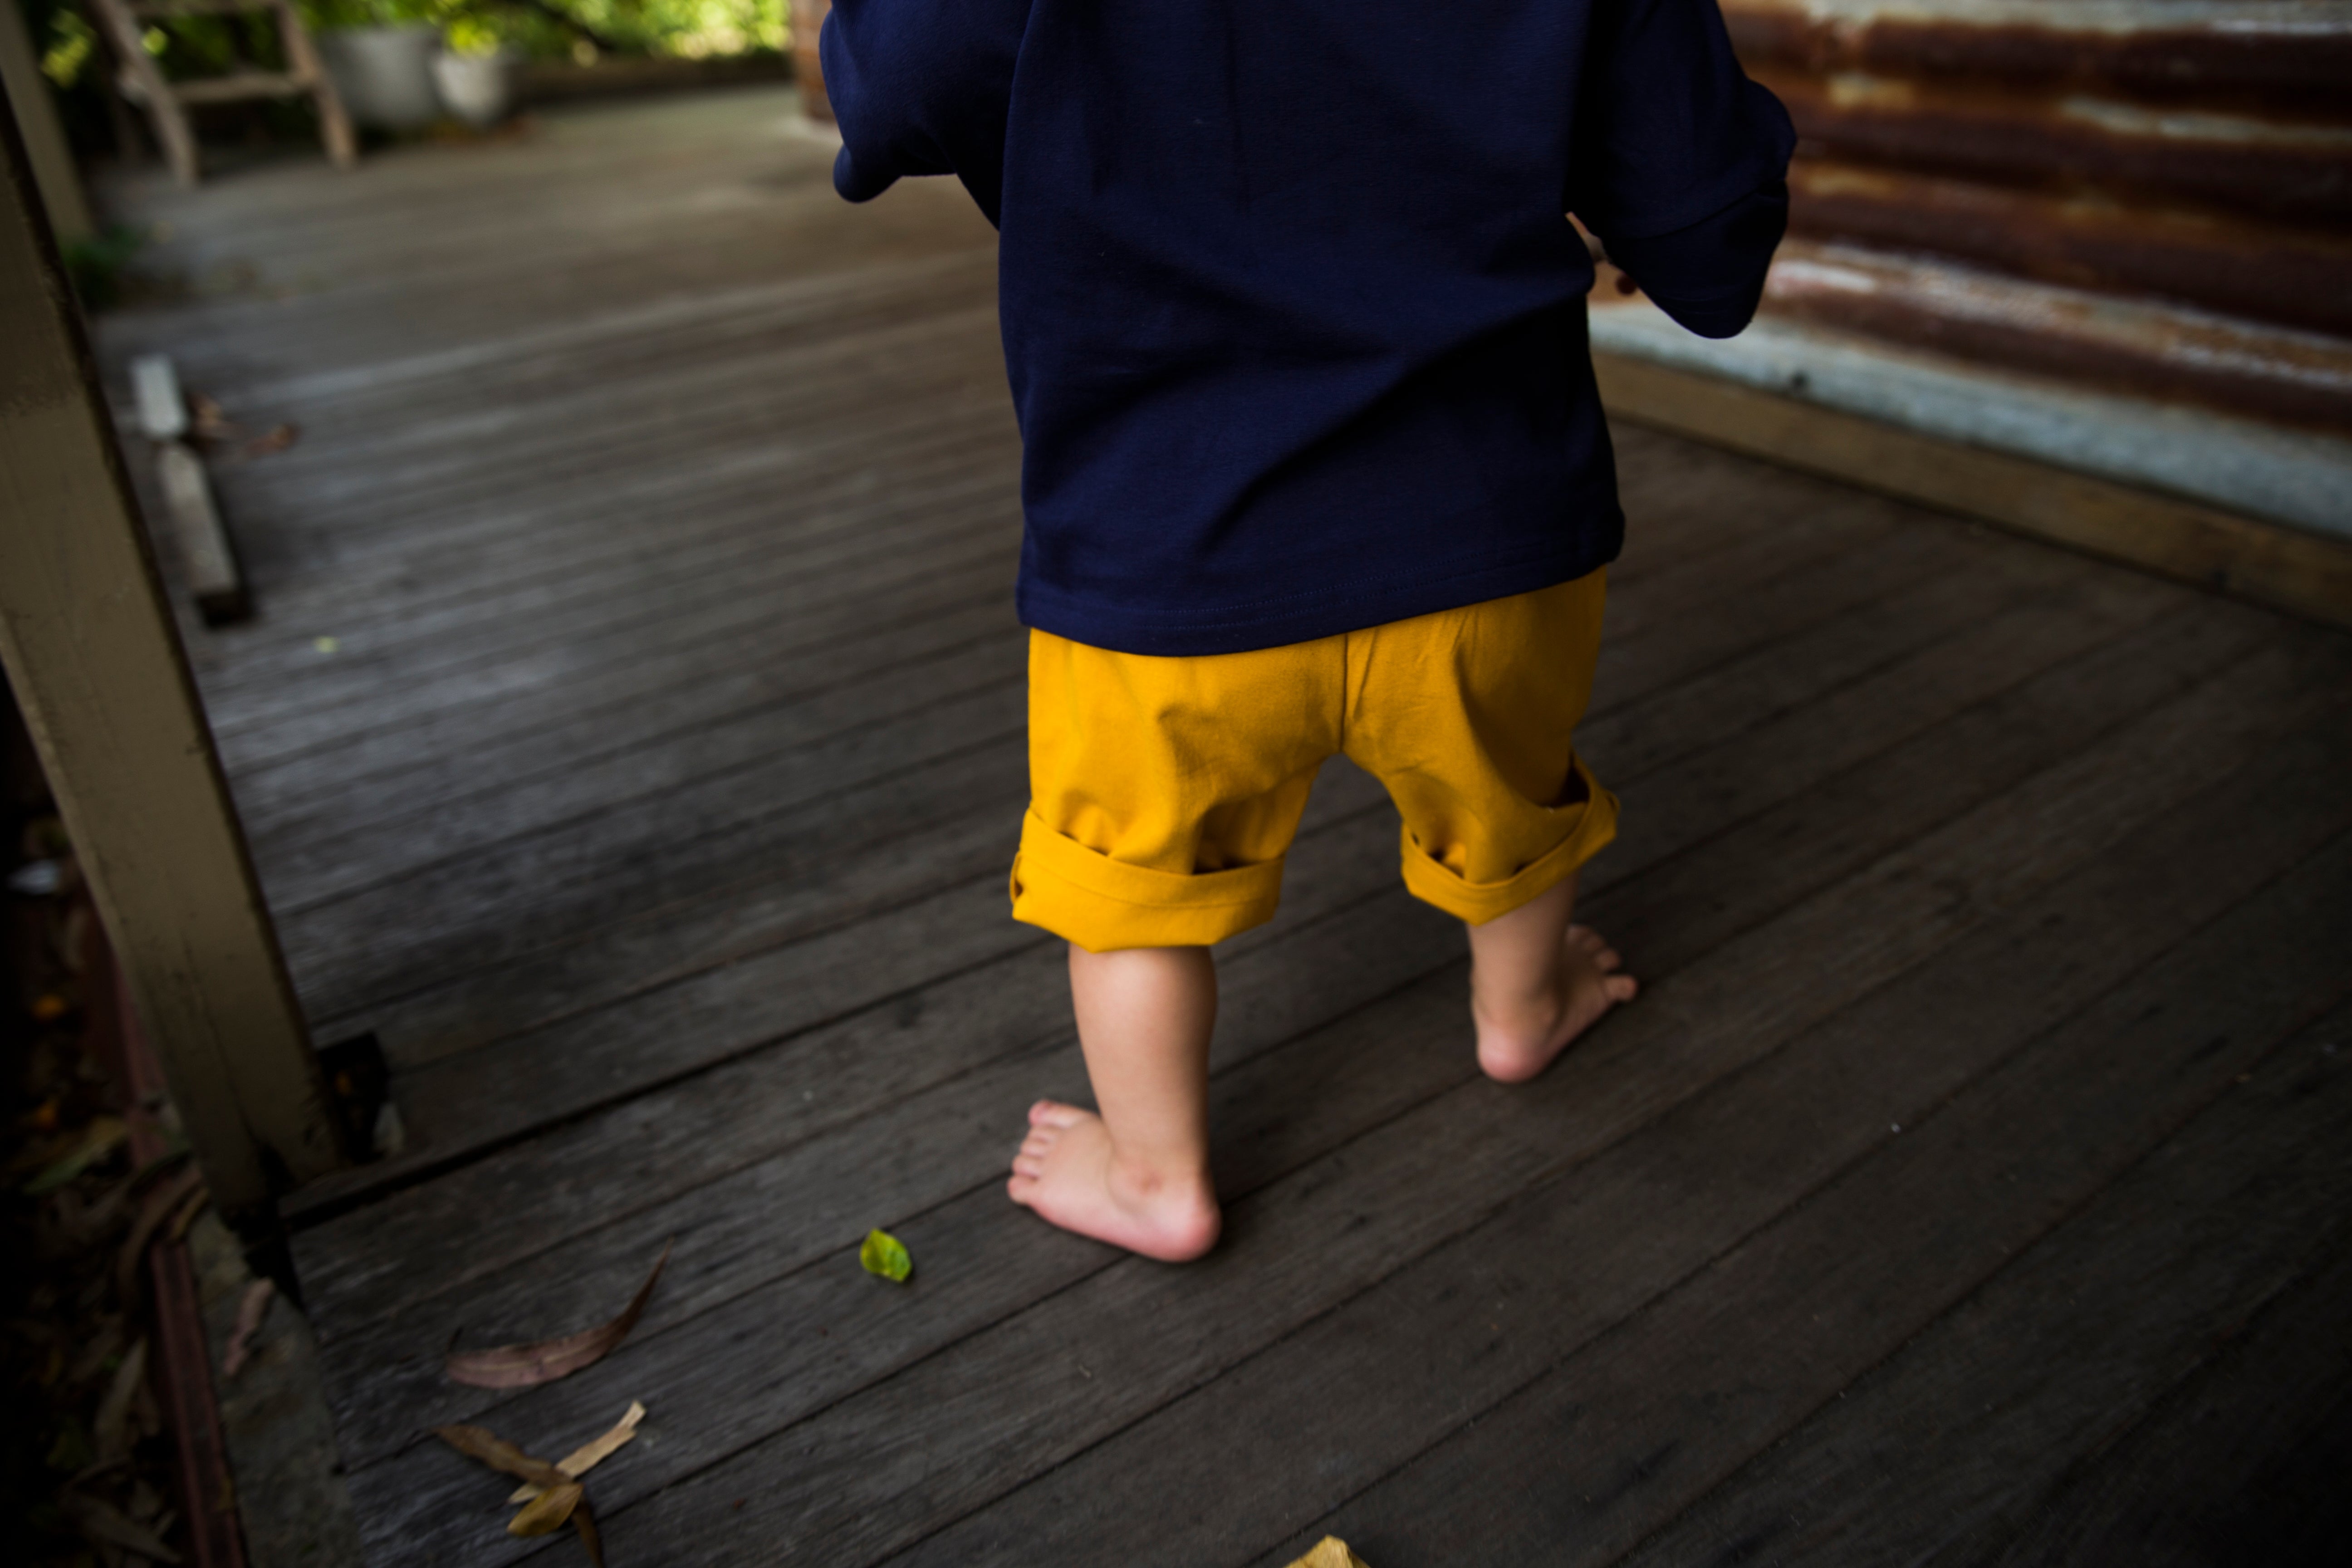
923 87
1680 161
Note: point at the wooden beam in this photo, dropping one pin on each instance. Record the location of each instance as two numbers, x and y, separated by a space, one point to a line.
2286 568
97 669
45 138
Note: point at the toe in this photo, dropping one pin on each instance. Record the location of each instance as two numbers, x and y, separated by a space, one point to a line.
1621 987
1022 1189
1027 1164
1052 1113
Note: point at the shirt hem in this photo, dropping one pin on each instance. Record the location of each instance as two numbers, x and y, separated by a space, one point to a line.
1305 618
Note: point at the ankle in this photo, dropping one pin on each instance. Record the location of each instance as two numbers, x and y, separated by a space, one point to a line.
1524 1015
1157 1180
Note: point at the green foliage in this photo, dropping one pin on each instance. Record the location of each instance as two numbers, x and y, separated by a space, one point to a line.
558 28
74 59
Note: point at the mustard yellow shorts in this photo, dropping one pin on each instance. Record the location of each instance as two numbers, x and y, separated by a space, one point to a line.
1165 792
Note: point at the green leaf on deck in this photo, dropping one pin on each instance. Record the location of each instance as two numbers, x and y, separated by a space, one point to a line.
883 1255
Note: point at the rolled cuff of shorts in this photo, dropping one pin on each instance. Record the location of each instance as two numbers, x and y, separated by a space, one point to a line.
1104 905
1593 825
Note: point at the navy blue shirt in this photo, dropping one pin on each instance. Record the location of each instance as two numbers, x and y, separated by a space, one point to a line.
1293 314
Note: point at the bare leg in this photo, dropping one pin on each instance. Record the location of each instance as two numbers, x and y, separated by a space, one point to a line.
1137 1174
1536 982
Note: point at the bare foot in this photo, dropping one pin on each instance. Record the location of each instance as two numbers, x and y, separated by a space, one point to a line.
1515 1050
1066 1171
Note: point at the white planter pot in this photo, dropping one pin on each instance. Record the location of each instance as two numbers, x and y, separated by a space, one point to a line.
386 74
477 89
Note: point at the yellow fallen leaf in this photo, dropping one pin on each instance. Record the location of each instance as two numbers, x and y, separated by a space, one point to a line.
884 1254
1329 1553
547 1513
588 1456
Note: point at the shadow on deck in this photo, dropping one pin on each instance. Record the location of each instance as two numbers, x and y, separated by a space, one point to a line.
632 737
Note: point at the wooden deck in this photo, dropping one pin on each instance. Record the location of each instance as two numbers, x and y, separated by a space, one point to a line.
1968 1185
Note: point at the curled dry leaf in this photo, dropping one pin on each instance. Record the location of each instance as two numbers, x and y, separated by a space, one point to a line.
99 1139
548 1512
277 439
481 1443
588 1456
112 1429
251 1311
584 1522
544 1361
107 1526
195 1206
159 1208
211 421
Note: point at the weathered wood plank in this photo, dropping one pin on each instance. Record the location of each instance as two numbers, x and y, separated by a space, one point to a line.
1583 1461
1738 1003
347 939
2022 1391
607 633
827 1331
329 771
1986 747
467 1099
717 507
2248 1455
291 809
497 473
411 844
360 855
1641 1268
906 1458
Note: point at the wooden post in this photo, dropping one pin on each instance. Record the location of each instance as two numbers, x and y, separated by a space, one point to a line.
45 138
97 669
808 71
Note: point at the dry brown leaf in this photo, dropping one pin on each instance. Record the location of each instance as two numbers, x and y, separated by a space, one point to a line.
544 1361
277 439
546 1513
197 1204
159 1208
584 1522
480 1442
251 1311
211 421
79 1151
588 1456
111 1430
107 1526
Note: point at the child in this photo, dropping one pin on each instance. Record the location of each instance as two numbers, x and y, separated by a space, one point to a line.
1314 463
